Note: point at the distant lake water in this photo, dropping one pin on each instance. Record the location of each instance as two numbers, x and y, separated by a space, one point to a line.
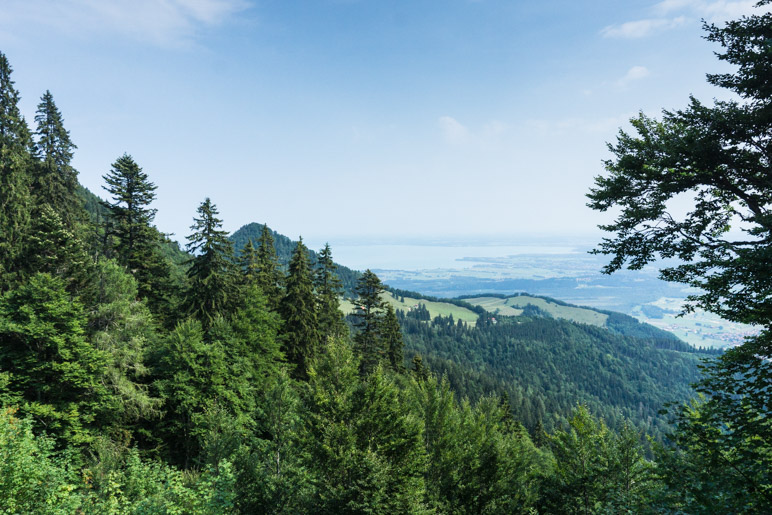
416 256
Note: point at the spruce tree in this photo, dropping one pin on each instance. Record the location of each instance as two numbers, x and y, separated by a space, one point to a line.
132 193
56 375
269 275
368 315
15 163
328 293
137 241
214 285
298 310
248 260
55 180
392 337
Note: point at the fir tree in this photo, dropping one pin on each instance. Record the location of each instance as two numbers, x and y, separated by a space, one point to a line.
213 275
248 260
15 161
392 337
55 374
269 275
298 311
56 181
369 320
132 193
328 293
138 241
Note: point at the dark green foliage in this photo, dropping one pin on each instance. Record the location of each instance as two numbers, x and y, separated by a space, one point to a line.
269 276
300 332
55 180
368 320
274 476
718 156
547 366
596 471
122 327
130 217
52 373
213 275
284 247
478 462
15 161
137 242
392 337
202 381
55 249
328 292
367 452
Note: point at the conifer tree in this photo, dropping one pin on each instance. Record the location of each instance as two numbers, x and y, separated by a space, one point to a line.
328 293
55 374
53 248
269 275
298 311
132 193
369 321
15 162
392 337
248 260
56 181
213 275
138 241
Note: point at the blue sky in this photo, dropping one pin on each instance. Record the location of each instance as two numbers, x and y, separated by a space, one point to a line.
346 118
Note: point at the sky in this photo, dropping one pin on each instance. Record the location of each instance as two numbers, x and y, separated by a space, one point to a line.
362 118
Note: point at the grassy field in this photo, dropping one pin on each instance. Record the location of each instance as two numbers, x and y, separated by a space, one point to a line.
435 308
511 306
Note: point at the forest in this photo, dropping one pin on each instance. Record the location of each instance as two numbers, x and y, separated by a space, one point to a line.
138 377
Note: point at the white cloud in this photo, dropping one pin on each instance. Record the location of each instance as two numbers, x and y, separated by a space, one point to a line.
157 22
671 14
633 74
453 131
641 28
456 133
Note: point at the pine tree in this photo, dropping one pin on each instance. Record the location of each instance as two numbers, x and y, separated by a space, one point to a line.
392 337
269 275
56 181
328 293
15 163
298 311
369 320
213 275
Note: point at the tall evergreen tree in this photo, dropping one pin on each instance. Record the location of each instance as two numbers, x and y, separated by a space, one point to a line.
213 274
298 310
328 293
130 222
392 338
269 275
369 321
132 193
249 264
15 162
56 181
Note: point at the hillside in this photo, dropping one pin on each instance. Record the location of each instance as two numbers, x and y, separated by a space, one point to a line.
284 248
